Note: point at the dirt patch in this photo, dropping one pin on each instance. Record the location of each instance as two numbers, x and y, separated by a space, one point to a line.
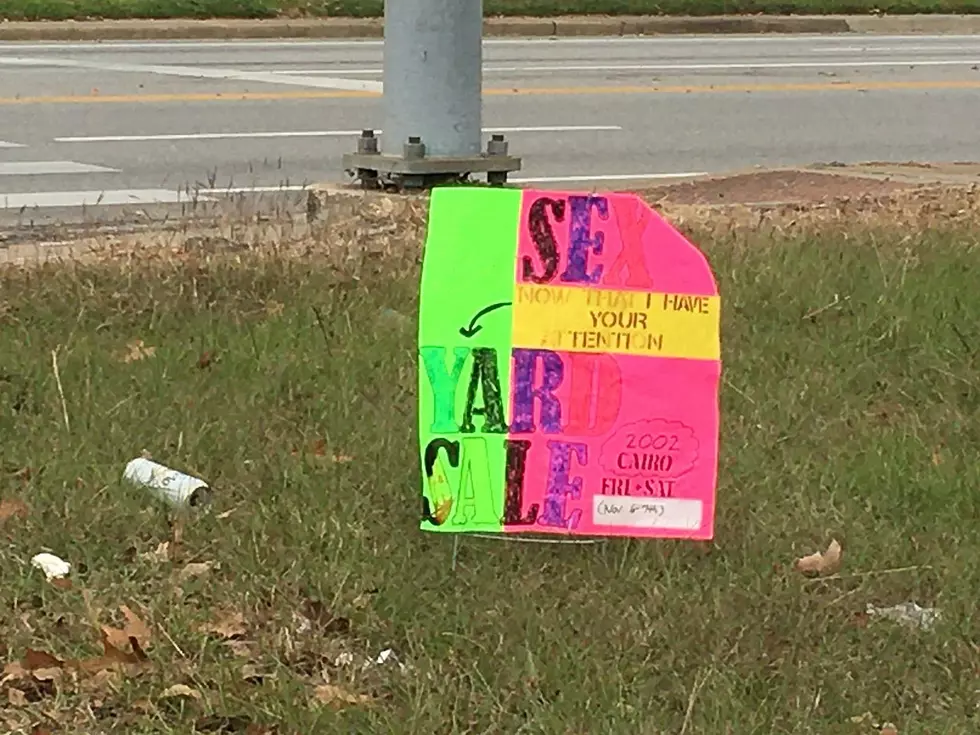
773 187
358 232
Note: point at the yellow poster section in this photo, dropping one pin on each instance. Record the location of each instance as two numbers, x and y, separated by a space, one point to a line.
577 319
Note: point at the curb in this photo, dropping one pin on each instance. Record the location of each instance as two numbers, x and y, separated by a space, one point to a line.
561 27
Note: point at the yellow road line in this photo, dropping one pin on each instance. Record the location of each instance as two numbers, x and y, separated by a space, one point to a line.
729 88
501 92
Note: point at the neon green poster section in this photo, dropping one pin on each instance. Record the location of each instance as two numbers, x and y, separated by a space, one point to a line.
464 355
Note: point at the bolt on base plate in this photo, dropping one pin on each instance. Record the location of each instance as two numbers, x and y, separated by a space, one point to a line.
414 170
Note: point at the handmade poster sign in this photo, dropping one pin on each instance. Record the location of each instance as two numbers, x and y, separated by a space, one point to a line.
569 361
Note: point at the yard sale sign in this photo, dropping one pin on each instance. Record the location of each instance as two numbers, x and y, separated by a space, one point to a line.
569 366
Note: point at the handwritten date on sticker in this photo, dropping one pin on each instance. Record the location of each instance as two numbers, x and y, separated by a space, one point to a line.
654 448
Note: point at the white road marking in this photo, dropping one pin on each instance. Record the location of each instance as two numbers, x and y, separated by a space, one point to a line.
939 49
285 188
40 168
51 199
721 66
311 134
7 144
683 40
193 72
602 177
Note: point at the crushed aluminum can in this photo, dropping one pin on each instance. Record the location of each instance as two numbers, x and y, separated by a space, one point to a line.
174 487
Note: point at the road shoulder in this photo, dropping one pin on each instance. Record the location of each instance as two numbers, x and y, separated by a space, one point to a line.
560 27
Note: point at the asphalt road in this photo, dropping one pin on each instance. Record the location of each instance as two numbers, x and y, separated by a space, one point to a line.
138 123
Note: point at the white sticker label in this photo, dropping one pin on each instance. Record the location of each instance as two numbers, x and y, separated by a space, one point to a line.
671 513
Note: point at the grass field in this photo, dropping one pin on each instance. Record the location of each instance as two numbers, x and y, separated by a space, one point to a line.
67 9
849 412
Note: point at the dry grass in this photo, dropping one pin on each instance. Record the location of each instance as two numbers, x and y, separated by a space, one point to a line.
283 370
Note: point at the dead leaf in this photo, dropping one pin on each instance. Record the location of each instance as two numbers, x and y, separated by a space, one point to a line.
937 457
100 681
239 647
16 698
113 658
274 308
194 569
889 729
14 671
821 563
138 652
160 554
252 674
134 628
35 669
342 458
227 625
136 351
12 508
39 730
34 660
180 690
205 360
119 660
338 696
50 674
62 583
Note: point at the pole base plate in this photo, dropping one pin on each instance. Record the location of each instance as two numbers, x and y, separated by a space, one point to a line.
374 170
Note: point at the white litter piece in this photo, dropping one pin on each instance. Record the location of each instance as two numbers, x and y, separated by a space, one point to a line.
53 567
175 487
387 656
907 613
302 623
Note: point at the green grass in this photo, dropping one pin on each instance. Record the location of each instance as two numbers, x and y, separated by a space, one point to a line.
858 422
67 9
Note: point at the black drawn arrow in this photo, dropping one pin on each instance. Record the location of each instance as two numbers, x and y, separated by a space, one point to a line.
473 327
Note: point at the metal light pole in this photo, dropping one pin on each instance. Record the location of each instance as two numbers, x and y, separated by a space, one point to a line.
433 71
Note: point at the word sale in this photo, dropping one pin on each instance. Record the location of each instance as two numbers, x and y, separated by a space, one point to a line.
536 409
